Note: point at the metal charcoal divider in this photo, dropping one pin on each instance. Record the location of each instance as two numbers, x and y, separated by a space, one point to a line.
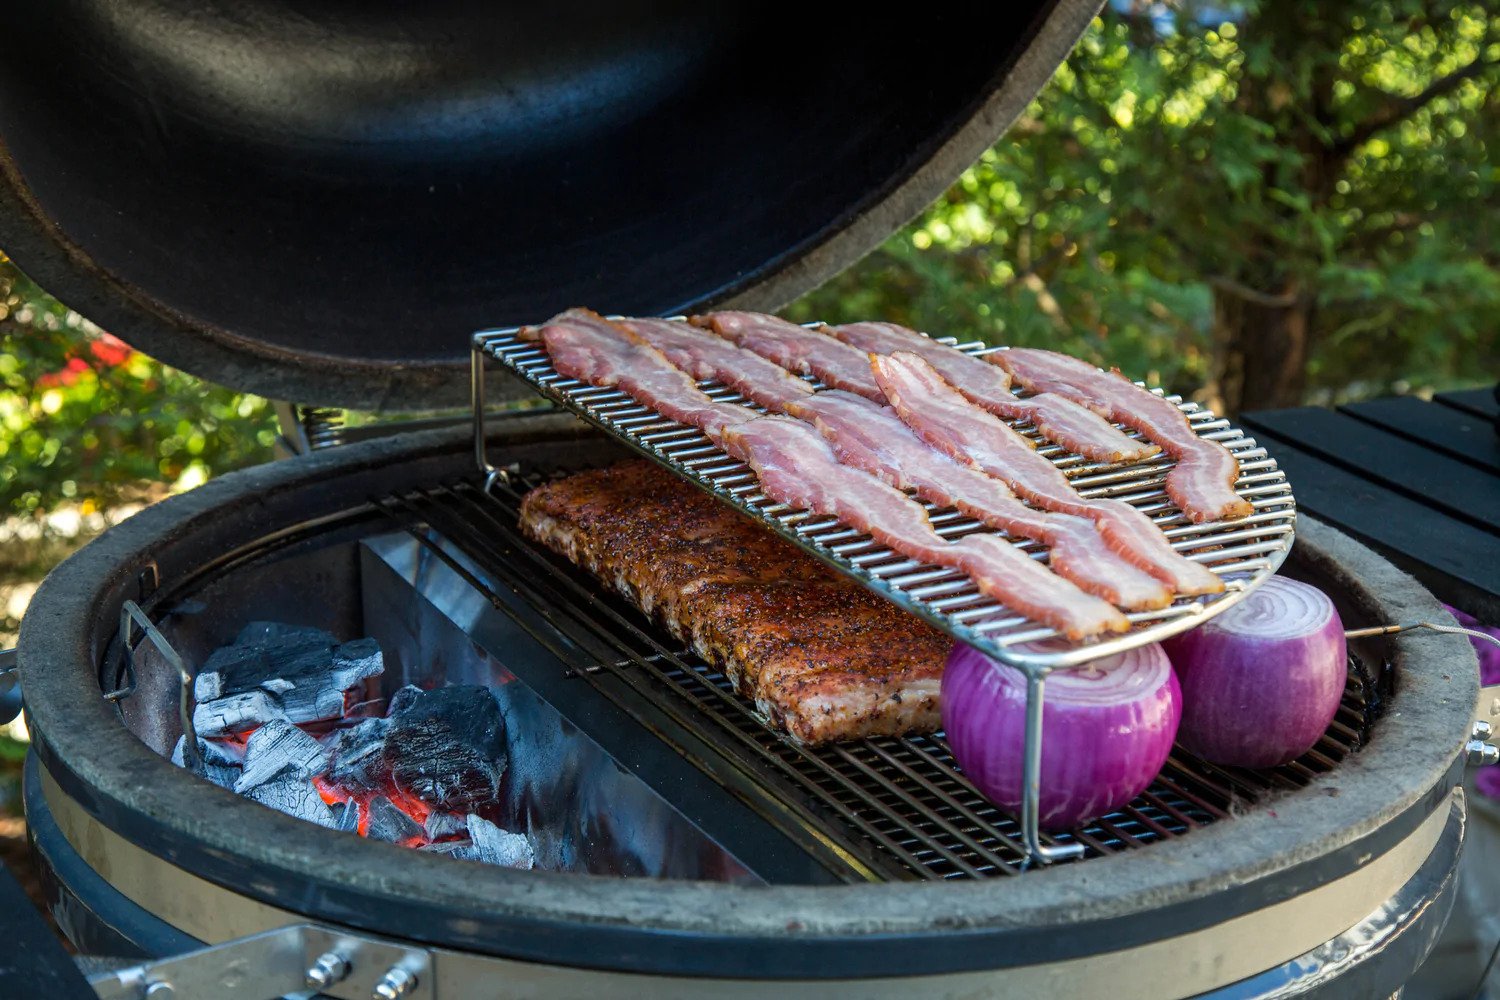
1243 552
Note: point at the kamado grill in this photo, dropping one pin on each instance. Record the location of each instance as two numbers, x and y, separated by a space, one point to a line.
173 174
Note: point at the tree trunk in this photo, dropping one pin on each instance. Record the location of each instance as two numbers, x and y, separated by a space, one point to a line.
1261 348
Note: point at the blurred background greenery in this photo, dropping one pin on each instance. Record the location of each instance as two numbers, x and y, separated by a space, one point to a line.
1255 204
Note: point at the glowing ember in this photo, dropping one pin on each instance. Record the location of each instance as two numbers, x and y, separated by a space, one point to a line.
275 724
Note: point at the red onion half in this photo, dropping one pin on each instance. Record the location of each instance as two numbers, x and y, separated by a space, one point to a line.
1261 682
1107 728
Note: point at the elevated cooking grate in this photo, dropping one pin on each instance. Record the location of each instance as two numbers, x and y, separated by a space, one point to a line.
1242 553
892 808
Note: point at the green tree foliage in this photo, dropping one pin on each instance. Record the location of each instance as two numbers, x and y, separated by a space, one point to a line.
1262 202
85 419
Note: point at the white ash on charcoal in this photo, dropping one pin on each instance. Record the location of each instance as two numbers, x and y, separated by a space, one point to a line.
491 846
446 747
441 824
216 762
495 846
402 699
388 822
346 816
278 750
235 713
294 796
359 755
275 671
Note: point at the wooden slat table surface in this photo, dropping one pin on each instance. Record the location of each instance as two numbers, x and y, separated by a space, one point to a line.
1418 481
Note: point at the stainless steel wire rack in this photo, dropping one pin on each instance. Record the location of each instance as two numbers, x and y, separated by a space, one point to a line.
892 807
1243 552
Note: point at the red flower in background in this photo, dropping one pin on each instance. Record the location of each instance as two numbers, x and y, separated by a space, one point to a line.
106 350
110 350
69 374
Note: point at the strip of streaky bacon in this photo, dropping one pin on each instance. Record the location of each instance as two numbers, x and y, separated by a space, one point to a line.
797 349
1202 482
872 437
585 346
1059 419
798 468
704 356
947 421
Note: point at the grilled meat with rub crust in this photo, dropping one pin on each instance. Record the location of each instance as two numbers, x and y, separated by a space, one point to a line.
817 653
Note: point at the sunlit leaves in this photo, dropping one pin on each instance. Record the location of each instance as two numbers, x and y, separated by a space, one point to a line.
83 417
1180 145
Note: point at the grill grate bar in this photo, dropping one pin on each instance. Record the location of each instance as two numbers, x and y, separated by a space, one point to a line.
897 806
1243 553
752 738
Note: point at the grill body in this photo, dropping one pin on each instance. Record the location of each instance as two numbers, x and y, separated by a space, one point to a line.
1234 899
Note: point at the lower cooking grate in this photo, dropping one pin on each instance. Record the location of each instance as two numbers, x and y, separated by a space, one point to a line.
885 808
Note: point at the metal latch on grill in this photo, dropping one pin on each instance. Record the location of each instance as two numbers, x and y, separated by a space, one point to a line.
301 960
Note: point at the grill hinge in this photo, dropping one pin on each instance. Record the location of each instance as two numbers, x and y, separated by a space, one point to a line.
292 960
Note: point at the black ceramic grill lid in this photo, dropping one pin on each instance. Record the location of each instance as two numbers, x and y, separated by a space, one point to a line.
320 200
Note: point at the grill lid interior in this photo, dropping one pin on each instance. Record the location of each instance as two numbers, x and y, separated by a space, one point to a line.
320 202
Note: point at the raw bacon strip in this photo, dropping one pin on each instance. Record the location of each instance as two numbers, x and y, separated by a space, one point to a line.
944 419
1059 419
705 356
871 437
1201 484
797 349
796 467
585 346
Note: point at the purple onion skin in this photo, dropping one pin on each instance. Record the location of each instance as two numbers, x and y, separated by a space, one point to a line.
1102 742
1259 688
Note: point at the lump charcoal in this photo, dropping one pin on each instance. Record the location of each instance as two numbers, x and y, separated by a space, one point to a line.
307 686
443 824
215 676
312 685
295 797
346 816
209 751
453 848
216 762
279 635
447 747
253 656
358 755
280 749
387 822
219 774
235 713
355 661
301 673
403 699
495 846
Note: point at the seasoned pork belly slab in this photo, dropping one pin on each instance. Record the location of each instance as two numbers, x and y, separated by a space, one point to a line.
818 654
